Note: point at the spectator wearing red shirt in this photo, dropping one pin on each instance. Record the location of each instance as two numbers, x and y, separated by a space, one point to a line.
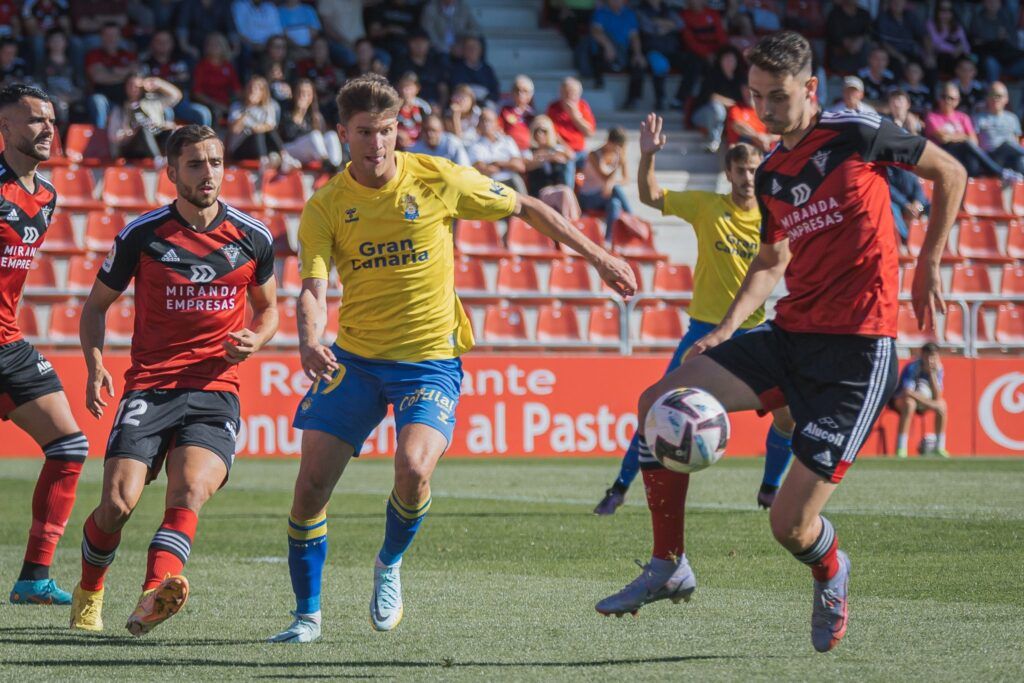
703 35
216 82
165 61
573 119
517 116
413 112
107 68
38 18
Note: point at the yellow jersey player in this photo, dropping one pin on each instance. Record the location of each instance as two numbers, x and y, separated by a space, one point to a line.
386 222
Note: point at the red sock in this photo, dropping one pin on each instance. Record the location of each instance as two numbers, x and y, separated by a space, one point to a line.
825 568
666 499
51 507
97 554
171 545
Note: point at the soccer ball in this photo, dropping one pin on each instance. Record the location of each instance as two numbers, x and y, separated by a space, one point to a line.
687 430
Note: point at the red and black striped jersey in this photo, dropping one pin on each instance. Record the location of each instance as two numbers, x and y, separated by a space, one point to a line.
830 198
190 290
24 218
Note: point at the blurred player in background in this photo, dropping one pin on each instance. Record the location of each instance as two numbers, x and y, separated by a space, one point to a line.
193 262
386 222
918 391
728 233
31 395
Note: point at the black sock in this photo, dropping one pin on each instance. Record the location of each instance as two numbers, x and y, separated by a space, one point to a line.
30 571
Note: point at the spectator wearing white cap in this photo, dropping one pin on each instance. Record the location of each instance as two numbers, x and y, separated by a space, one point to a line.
853 97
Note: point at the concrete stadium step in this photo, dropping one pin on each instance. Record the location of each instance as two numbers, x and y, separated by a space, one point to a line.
502 14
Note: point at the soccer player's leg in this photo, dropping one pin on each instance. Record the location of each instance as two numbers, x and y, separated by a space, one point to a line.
778 448
907 408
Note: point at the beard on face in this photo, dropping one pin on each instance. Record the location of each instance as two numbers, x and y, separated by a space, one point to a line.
28 148
195 198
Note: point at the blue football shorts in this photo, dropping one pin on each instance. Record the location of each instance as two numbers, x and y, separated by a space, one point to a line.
356 399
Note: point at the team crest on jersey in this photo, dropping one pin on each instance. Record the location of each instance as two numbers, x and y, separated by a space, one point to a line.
820 160
497 189
108 262
412 209
801 193
231 253
47 212
351 215
776 187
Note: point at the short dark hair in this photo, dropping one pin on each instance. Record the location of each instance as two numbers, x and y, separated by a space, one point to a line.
785 52
930 348
898 92
617 135
370 93
13 93
191 134
740 153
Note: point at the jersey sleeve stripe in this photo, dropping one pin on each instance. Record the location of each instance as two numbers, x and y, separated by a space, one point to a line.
866 118
144 219
46 183
250 222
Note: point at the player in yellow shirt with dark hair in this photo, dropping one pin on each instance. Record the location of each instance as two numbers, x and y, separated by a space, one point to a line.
386 222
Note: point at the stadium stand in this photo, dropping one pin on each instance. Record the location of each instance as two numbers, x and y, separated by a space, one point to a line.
504 322
60 236
557 322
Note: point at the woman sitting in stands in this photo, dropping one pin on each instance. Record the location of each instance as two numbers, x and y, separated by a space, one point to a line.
252 125
600 191
304 132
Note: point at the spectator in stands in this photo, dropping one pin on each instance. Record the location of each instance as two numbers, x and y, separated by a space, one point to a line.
999 129
38 19
947 39
573 119
252 124
993 35
446 21
256 21
463 115
917 90
140 126
953 131
703 37
853 97
343 26
900 32
719 90
848 31
165 61
743 125
108 67
277 67
901 114
13 69
88 18
367 61
603 168
413 112
473 71
326 77
495 154
660 27
573 18
877 78
304 132
428 65
972 93
197 19
437 142
59 78
517 116
906 194
300 23
391 22
918 391
739 25
615 46
216 83
548 162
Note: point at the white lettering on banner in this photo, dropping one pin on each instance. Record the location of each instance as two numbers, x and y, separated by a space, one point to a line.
1011 400
495 382
279 378
603 431
267 435
487 436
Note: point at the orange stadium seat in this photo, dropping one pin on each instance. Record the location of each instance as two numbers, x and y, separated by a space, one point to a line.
969 278
87 145
906 328
981 331
927 186
469 275
101 228
64 321
1013 280
1010 324
1017 203
569 276
60 236
28 323
907 277
505 322
41 282
978 241
283 191
954 324
121 321
479 238
916 229
124 188
238 191
517 275
637 273
321 180
604 325
288 323
984 199
660 323
82 273
290 279
1015 240
672 278
166 192
524 240
592 227
557 323
75 188
634 246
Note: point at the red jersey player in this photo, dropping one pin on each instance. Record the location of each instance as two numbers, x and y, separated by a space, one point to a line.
828 354
31 395
193 262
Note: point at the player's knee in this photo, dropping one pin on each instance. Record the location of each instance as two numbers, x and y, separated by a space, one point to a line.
311 496
906 404
411 479
788 531
192 495
113 513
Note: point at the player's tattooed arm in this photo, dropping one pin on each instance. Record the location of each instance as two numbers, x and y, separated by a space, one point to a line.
317 359
92 332
245 342
549 222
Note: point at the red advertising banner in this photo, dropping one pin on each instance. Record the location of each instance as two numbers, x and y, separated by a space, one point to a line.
552 405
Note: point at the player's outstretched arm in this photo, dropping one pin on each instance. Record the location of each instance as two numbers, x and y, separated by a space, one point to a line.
950 179
317 359
92 332
652 141
546 220
245 342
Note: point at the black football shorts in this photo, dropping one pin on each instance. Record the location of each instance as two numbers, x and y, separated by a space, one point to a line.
25 375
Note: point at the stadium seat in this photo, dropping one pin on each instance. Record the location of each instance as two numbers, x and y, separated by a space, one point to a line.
916 229
984 199
981 329
927 186
517 275
75 189
321 180
277 224
124 188
978 241
64 321
121 321
604 325
907 277
60 236
1015 239
28 323
592 227
469 276
1013 280
969 278
633 246
505 322
557 323
41 283
660 323
954 324
479 238
238 191
637 273
1010 324
523 240
1017 203
87 145
283 191
290 281
569 276
101 228
166 192
288 323
672 278
82 273
906 327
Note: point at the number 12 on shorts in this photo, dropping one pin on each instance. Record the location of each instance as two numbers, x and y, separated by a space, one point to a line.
129 411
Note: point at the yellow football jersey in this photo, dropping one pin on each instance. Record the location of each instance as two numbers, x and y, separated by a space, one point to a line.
394 252
728 238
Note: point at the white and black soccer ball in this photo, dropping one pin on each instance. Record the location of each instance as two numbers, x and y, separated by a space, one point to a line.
687 430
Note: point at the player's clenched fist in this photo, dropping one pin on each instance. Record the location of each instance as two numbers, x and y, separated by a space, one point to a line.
617 274
317 361
99 381
240 345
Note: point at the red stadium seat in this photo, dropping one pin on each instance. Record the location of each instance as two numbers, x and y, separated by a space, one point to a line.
569 276
28 323
981 331
916 229
634 246
592 227
984 199
237 190
60 236
479 238
469 275
321 180
505 322
1013 280
907 277
637 273
557 323
1017 203
124 188
1010 324
660 323
87 145
1015 240
517 275
277 224
82 272
121 321
927 186
283 191
604 323
75 188
64 321
954 324
906 328
290 280
288 323
524 240
672 278
166 192
978 241
41 282
101 228
970 279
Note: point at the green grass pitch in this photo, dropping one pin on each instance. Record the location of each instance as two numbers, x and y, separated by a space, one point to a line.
502 580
